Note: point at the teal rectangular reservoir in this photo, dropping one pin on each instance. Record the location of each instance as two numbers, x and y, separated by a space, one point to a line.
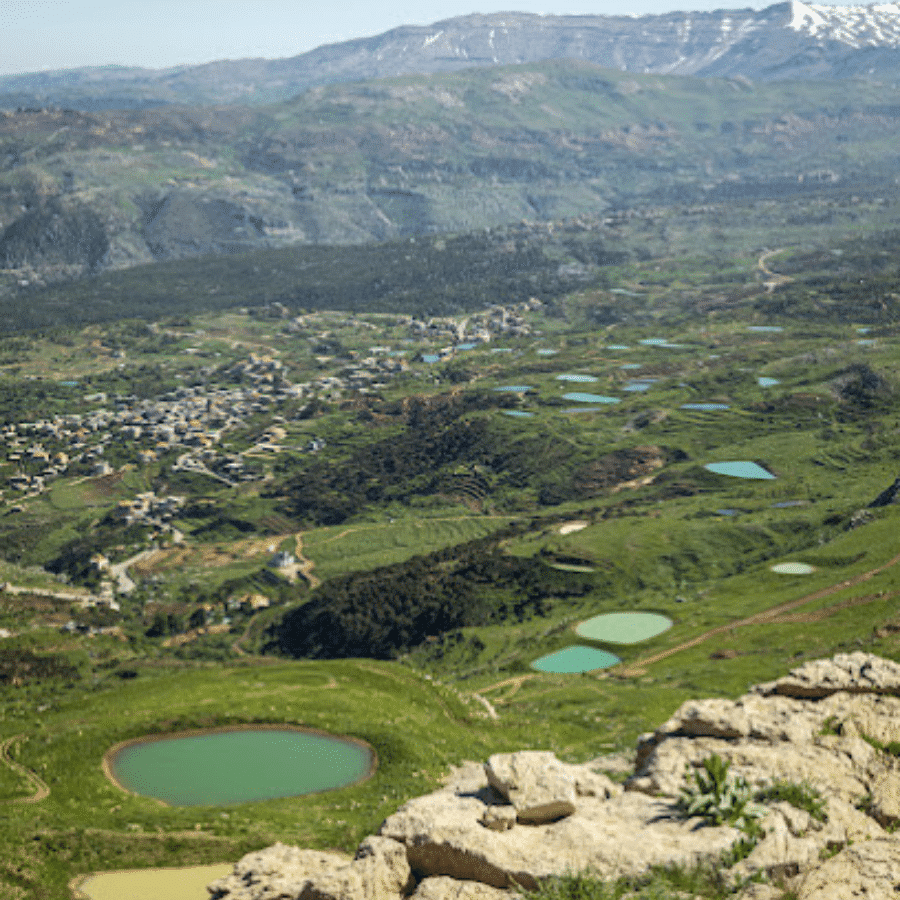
739 469
575 659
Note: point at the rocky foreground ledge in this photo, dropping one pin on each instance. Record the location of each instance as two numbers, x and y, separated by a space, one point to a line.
522 817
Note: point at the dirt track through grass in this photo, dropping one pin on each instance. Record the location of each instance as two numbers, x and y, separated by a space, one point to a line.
41 790
767 617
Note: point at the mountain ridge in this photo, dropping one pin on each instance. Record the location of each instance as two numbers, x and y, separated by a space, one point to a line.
782 41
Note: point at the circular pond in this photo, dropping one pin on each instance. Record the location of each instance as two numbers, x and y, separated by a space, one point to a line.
575 659
793 568
237 765
624 628
739 469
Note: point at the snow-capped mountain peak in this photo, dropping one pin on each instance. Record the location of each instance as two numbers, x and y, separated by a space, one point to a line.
877 25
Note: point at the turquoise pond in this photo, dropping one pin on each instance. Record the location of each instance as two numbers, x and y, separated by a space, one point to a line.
513 388
517 413
617 347
579 397
632 366
705 407
765 381
430 357
239 766
740 469
581 378
624 628
469 345
547 352
774 329
575 659
637 386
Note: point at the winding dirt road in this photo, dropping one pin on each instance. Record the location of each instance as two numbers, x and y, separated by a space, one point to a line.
41 790
768 616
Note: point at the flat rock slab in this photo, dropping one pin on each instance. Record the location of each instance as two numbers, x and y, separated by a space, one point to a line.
855 673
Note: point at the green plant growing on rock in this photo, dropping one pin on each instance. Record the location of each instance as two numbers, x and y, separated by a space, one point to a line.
800 796
718 798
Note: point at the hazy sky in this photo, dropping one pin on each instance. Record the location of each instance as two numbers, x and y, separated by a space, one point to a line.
59 34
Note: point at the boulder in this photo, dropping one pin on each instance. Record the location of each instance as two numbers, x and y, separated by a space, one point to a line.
856 673
379 871
275 872
868 871
534 782
443 888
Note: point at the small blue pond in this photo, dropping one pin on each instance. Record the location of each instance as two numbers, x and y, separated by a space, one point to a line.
726 512
617 347
580 378
774 329
740 469
430 357
660 342
705 407
787 504
514 389
501 349
547 352
631 366
470 345
643 385
575 659
863 330
578 397
517 413
868 342
765 381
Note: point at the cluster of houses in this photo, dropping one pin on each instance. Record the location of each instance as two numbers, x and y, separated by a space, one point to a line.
194 418
479 328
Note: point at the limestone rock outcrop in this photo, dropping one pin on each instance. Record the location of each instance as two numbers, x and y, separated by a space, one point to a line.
379 871
854 673
524 817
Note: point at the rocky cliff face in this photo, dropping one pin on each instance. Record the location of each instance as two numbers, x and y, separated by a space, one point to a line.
523 817
788 40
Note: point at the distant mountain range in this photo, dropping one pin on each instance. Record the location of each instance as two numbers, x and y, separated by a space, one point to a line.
785 41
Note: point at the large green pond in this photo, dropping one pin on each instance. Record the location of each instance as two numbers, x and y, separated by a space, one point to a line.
238 766
624 628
